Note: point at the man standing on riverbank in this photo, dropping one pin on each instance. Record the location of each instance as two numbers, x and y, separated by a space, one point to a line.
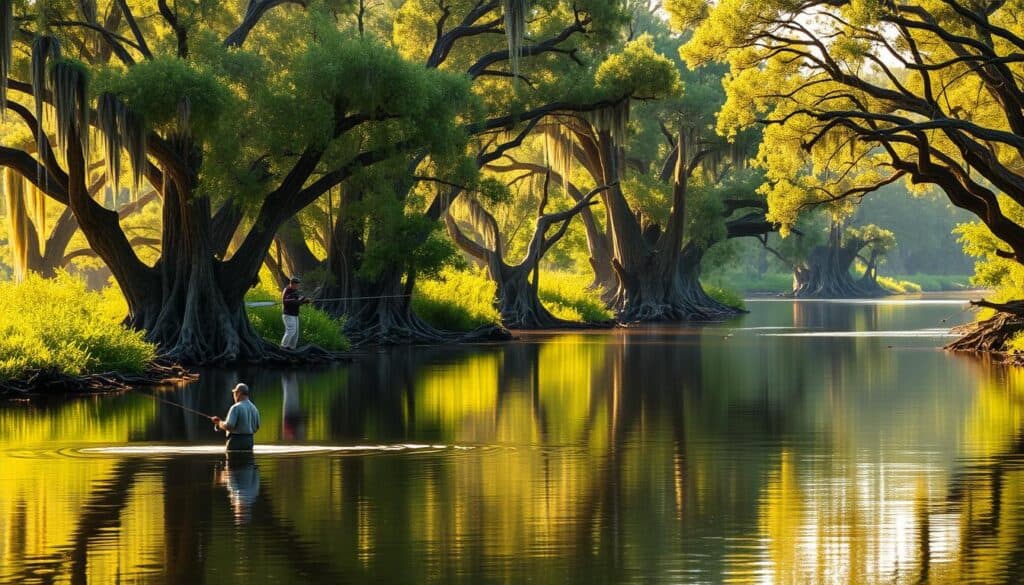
292 300
242 422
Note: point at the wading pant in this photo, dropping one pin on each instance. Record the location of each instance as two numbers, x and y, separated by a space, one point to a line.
239 442
291 331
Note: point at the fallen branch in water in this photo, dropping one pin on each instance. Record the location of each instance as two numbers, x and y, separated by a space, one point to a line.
49 382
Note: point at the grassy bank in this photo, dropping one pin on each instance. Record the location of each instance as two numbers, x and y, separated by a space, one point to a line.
55 327
464 299
782 282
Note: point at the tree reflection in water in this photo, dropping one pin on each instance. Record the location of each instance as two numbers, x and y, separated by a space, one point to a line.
630 455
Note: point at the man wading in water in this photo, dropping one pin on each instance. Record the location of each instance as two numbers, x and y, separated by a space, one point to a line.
242 422
292 300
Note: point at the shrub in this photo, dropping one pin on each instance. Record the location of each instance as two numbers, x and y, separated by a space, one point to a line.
457 301
58 326
463 300
725 296
897 286
566 295
1016 343
315 326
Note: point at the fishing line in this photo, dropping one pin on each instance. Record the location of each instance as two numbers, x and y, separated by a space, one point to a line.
967 306
272 303
181 406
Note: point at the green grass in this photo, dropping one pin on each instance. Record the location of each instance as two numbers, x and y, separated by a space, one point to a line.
896 286
566 295
315 326
725 296
57 326
457 301
463 300
782 282
938 282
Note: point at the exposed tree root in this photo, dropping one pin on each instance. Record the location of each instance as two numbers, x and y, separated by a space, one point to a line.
677 297
993 335
38 383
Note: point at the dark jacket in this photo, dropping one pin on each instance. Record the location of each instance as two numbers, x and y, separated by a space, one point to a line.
292 301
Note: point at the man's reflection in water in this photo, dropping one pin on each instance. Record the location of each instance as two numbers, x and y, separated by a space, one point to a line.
293 423
241 477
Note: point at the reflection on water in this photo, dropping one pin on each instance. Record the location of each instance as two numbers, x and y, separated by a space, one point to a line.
241 477
647 455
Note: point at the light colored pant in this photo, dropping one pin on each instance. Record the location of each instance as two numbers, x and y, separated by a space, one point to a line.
291 331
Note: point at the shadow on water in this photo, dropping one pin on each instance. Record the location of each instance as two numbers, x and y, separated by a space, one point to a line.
652 454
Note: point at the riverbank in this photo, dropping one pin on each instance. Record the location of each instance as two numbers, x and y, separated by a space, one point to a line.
780 283
55 331
44 383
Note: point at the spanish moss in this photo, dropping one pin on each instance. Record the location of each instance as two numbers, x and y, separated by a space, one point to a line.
17 222
121 128
35 204
558 145
69 83
483 223
614 120
44 48
515 31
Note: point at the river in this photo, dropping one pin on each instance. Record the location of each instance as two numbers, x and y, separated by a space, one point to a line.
806 442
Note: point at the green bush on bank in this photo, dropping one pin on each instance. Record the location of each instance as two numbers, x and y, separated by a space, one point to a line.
460 300
897 286
57 326
725 296
315 326
567 296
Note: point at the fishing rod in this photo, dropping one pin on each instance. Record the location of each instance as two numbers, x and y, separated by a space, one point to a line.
271 303
181 406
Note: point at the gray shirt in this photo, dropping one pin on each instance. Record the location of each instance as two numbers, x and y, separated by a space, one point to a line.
243 418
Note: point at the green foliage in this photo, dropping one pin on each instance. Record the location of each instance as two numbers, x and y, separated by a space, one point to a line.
727 297
639 71
401 238
456 300
460 300
58 326
154 89
936 282
363 75
898 286
566 295
315 326
1016 343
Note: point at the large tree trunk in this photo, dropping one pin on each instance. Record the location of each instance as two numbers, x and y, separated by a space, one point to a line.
652 284
651 292
379 310
826 275
184 303
192 315
519 304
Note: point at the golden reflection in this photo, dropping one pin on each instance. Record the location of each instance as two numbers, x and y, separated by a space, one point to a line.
586 458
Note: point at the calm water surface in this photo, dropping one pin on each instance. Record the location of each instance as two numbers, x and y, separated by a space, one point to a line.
808 442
